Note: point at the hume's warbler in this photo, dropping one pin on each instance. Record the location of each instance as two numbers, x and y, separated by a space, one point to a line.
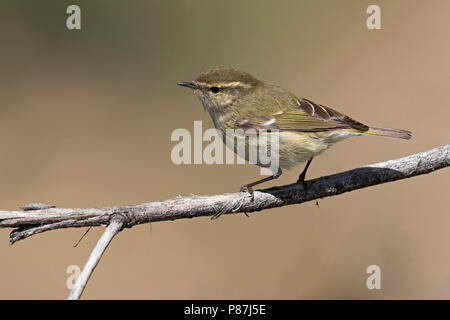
237 100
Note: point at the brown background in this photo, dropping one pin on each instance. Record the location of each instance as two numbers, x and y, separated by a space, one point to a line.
86 118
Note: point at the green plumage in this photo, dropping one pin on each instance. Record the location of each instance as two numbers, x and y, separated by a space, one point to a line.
237 100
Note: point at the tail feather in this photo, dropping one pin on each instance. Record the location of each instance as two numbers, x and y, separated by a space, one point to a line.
393 133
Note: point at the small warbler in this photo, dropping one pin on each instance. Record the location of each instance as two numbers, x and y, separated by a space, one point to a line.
237 100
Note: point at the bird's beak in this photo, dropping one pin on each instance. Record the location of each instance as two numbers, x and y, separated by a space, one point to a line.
191 85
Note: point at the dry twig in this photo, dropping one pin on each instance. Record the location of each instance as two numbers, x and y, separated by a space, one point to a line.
28 223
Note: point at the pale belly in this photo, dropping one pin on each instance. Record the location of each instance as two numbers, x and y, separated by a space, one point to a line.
290 148
296 148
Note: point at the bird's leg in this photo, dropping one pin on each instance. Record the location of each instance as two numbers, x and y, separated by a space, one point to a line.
301 178
249 187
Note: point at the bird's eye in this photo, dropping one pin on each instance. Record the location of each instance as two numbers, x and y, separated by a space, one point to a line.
215 89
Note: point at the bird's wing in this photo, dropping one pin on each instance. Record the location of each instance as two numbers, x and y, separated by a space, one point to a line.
294 114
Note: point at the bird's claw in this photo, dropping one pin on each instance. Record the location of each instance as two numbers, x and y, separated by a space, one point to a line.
251 193
249 189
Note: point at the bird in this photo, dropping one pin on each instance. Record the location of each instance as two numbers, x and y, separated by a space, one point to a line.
237 100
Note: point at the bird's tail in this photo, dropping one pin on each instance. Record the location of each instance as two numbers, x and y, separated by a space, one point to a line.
393 133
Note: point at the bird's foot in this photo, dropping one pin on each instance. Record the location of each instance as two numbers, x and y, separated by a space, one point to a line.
247 188
301 179
250 192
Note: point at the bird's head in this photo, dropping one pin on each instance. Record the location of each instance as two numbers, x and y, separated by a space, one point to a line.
219 87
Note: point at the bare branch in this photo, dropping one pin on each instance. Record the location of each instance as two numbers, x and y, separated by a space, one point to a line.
113 228
32 222
39 217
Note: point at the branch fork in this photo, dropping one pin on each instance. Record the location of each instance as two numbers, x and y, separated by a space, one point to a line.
38 218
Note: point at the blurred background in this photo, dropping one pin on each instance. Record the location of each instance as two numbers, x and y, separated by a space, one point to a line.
86 118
